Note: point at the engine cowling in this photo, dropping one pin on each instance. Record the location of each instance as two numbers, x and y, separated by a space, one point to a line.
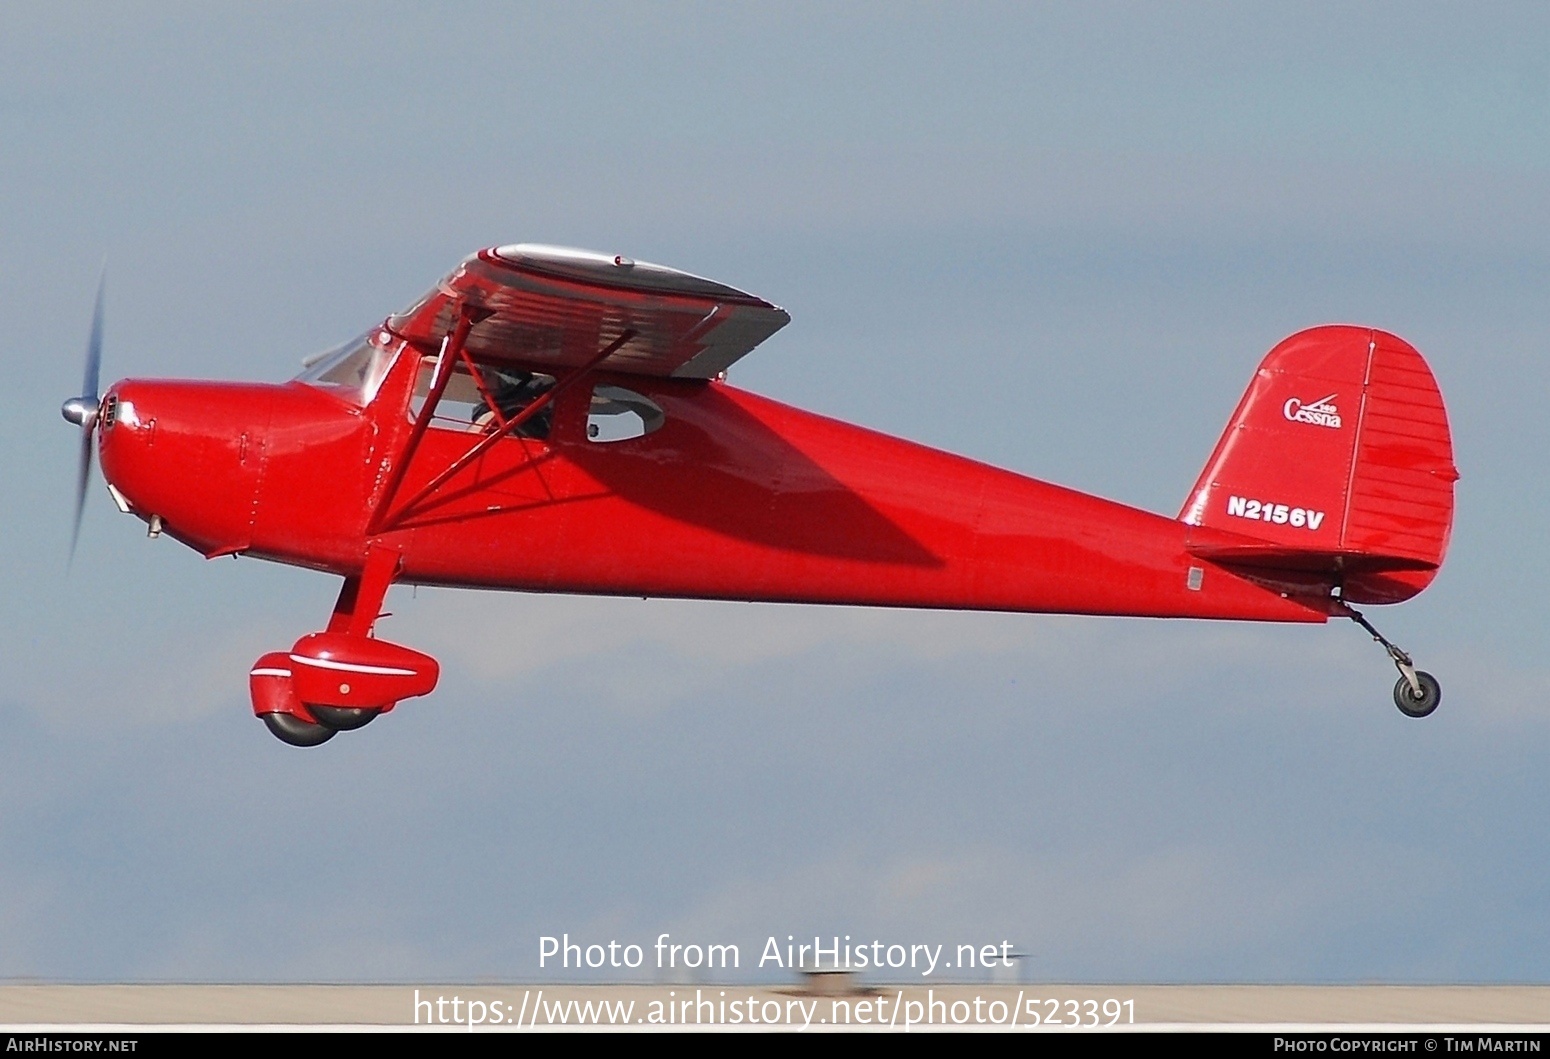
338 669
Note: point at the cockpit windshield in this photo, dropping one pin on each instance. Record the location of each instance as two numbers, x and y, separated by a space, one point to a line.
352 370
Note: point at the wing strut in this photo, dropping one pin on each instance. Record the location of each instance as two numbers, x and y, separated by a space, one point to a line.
381 521
451 348
484 391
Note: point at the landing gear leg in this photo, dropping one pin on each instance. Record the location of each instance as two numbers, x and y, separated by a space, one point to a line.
1416 693
271 681
360 598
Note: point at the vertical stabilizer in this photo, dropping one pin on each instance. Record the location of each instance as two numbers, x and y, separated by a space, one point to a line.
1338 458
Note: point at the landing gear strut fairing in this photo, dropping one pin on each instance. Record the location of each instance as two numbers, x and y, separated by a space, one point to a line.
557 420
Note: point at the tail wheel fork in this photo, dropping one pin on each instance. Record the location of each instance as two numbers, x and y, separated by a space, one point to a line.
1417 693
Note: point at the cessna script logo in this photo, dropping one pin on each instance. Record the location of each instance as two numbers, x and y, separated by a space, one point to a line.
1320 413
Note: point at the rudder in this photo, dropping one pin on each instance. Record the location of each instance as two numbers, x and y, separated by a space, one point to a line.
1338 460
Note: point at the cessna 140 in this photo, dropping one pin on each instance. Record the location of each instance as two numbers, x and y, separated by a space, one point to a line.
557 420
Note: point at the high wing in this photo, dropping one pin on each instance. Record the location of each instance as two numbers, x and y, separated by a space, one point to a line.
552 306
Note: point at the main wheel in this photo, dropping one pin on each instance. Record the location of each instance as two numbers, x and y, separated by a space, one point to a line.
1412 705
293 730
343 718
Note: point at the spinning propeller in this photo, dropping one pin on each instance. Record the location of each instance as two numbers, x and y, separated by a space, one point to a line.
83 410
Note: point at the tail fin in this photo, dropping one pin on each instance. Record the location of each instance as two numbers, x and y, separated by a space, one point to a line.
1337 461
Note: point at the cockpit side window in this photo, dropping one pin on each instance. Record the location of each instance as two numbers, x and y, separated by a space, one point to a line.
618 414
352 370
464 407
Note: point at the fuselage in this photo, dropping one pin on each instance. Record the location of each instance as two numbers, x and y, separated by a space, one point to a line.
733 496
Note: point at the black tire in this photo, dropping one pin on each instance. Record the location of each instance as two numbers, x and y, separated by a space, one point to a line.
1407 701
343 718
295 731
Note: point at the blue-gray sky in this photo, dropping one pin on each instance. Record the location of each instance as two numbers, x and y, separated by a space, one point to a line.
1056 238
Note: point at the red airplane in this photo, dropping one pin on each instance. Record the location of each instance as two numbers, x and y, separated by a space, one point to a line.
557 420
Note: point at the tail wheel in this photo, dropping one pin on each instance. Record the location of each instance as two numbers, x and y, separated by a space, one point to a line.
343 718
1413 701
291 729
1413 705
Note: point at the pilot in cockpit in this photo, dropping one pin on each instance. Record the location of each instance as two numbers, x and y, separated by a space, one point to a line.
513 390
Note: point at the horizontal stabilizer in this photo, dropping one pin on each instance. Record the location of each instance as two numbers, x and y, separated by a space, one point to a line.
1266 555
